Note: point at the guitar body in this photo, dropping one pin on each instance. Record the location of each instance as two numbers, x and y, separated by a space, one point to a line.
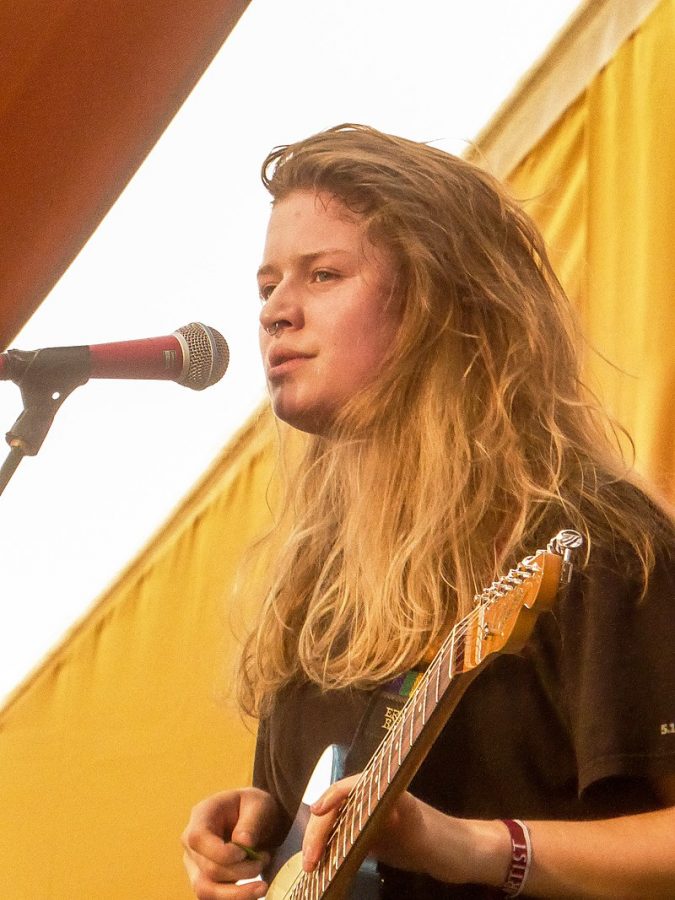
286 865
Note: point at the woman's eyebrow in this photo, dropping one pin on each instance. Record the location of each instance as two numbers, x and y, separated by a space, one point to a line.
305 259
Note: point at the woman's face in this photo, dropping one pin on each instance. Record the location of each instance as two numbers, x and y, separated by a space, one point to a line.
327 297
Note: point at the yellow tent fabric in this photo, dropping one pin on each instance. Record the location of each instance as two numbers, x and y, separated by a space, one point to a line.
601 185
106 747
108 744
587 42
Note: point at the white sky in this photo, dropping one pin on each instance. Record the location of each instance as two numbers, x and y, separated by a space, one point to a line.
183 243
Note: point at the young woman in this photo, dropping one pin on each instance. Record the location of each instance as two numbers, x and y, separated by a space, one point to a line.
413 329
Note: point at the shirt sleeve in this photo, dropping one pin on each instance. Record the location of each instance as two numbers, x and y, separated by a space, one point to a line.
618 670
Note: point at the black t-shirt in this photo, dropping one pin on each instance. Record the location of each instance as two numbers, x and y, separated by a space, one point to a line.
574 727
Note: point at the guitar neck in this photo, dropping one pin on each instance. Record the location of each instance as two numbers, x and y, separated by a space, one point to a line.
501 621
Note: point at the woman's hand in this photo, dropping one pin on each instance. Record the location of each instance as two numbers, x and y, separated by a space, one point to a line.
219 829
418 838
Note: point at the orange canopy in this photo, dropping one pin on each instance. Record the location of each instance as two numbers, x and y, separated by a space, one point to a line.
86 89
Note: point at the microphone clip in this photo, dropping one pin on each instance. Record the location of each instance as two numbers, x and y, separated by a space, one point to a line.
45 378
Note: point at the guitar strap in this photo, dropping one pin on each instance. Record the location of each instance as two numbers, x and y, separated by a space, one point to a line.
381 713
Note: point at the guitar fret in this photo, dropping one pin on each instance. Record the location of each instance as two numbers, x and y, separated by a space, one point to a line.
368 784
379 776
383 776
389 765
460 650
452 653
419 713
399 737
424 699
438 678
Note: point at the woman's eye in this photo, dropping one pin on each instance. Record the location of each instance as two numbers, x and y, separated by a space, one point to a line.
265 291
322 275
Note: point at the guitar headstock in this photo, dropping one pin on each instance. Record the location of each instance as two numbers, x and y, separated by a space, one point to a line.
506 611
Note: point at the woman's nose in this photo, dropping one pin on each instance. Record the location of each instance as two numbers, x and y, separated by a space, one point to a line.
281 310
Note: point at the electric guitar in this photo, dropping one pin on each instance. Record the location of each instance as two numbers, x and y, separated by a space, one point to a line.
501 622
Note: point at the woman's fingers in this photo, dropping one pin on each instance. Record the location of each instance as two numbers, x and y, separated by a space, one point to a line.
244 817
210 821
212 882
221 841
257 820
402 840
240 868
323 815
205 889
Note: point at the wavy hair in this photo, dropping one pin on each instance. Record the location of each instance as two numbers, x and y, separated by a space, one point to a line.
476 441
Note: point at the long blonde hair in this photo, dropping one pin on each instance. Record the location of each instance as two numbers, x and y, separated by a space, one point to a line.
476 440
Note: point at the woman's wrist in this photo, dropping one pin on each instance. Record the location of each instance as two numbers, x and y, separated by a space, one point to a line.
471 851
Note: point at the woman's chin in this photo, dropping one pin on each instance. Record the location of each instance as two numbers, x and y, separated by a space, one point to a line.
310 419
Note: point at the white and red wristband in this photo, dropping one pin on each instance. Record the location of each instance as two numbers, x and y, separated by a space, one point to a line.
521 857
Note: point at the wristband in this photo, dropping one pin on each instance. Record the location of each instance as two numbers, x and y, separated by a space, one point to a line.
521 857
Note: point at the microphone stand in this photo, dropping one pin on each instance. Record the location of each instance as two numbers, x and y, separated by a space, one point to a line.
9 466
45 381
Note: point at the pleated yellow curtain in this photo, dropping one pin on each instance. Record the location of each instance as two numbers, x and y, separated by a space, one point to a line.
601 185
106 747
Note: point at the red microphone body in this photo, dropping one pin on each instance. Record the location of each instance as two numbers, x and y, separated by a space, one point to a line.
160 357
195 356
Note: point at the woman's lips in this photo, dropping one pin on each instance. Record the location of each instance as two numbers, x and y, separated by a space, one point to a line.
284 364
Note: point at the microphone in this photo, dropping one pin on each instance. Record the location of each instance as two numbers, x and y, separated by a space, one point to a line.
195 356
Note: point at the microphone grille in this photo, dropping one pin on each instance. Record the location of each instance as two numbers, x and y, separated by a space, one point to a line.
207 356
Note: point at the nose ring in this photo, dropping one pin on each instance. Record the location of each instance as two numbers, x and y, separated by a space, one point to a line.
273 328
